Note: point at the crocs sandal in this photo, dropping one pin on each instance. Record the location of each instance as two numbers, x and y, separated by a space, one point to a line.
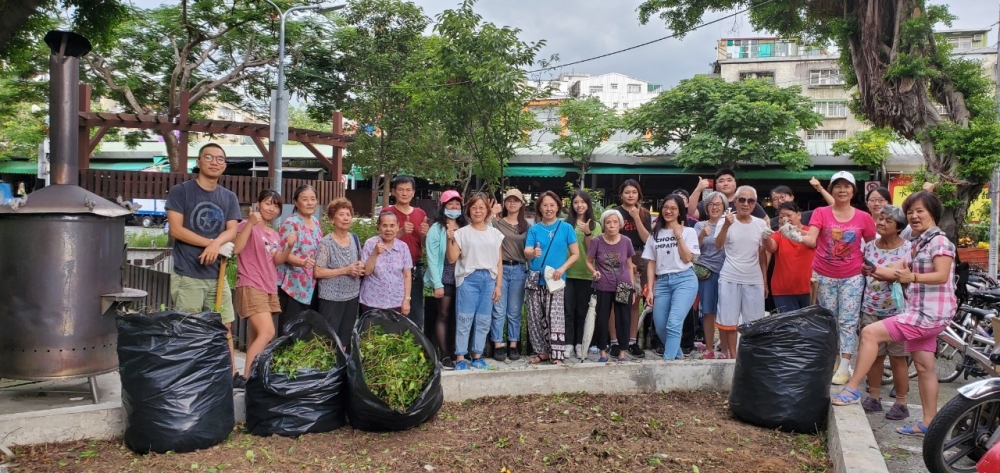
920 430
846 397
602 359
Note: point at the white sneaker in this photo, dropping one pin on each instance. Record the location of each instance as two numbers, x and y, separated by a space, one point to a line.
569 351
579 351
841 377
593 350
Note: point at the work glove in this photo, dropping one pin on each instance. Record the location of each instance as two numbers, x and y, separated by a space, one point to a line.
226 250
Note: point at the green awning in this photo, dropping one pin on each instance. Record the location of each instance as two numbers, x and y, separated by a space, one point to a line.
658 170
527 170
556 170
18 167
28 167
803 175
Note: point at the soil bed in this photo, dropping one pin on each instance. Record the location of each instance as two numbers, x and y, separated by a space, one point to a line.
675 431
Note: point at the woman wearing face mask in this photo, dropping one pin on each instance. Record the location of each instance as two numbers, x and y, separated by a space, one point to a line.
578 277
514 228
339 270
711 259
296 279
609 260
673 286
551 243
743 279
475 251
837 233
388 269
260 251
440 273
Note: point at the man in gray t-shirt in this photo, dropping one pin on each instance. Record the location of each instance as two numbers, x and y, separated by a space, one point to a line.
202 217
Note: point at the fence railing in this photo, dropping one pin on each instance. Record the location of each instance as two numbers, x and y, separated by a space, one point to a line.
154 185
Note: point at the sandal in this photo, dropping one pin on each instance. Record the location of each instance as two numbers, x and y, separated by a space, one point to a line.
602 359
920 430
538 359
851 396
622 359
898 412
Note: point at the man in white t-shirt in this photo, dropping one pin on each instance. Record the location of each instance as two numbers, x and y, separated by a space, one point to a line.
743 279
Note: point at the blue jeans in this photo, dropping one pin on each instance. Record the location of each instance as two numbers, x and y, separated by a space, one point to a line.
473 303
674 295
785 304
510 304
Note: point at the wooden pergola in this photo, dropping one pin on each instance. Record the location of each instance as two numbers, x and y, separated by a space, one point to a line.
164 123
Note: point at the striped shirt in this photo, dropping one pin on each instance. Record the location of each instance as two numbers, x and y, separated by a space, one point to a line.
930 305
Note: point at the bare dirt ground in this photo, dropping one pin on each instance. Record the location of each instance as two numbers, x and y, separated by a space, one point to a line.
676 432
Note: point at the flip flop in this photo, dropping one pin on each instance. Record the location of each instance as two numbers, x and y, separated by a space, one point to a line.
851 396
910 431
537 359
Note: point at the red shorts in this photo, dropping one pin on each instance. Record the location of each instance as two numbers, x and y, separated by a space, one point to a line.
914 338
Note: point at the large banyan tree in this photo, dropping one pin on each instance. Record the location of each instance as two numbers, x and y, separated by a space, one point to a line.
888 52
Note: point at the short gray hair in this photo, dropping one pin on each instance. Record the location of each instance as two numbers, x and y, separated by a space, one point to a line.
612 213
716 195
746 188
896 214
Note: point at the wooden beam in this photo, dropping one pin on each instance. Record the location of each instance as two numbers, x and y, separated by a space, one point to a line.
329 165
338 151
96 140
83 139
184 118
265 151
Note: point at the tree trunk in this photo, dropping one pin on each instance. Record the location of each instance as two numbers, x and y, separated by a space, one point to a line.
386 189
173 145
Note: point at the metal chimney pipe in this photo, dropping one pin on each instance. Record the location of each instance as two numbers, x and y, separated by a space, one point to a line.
64 103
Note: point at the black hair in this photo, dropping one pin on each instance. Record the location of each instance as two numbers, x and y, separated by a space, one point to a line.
783 190
789 206
682 192
522 222
931 202
299 190
631 183
588 215
403 180
538 204
270 194
723 171
882 191
661 221
440 219
210 145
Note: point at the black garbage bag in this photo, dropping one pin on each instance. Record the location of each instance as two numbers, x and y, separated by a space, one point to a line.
313 401
368 412
177 381
784 368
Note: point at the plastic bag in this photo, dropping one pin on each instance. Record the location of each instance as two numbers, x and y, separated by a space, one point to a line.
313 401
365 410
177 381
783 370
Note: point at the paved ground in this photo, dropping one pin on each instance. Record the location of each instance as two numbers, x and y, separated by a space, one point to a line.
905 454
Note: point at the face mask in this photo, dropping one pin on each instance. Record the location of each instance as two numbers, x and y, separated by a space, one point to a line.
452 213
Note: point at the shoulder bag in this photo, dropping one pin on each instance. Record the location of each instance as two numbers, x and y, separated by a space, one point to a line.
532 282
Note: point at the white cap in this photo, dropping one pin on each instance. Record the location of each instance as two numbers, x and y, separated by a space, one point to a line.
844 175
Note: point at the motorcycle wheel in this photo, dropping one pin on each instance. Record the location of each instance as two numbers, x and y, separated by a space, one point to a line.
947 362
956 439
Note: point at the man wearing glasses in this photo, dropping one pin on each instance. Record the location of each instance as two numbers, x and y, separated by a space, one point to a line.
203 219
725 182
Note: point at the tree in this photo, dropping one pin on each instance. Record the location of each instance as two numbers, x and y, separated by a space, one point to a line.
868 148
23 23
725 124
587 124
215 52
889 52
482 108
22 132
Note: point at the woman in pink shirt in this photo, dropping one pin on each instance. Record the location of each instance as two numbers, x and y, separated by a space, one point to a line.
837 233
261 251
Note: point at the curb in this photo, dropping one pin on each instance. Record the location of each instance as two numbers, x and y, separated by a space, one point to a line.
851 442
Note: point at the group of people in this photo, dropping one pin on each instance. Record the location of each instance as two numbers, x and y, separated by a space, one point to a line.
713 250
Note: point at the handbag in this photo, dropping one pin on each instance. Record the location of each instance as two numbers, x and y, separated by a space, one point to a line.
533 281
701 271
623 290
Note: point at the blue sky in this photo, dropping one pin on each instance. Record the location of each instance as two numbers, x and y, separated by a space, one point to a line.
578 29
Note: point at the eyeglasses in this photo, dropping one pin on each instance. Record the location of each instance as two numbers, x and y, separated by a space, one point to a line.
877 201
746 200
715 204
216 159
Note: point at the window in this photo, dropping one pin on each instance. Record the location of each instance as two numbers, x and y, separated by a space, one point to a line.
614 105
825 77
966 42
625 106
826 134
634 88
596 88
225 113
831 109
614 86
763 75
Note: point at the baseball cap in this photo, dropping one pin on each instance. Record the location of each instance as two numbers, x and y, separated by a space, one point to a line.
450 195
514 193
845 176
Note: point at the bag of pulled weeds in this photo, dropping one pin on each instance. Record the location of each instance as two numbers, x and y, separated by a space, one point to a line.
394 376
297 385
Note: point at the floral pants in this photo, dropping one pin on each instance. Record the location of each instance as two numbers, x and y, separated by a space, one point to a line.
842 296
547 322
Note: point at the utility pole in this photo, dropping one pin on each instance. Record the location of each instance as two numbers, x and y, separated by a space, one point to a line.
995 187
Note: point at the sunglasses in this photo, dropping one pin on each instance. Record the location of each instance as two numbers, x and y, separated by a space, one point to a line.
746 200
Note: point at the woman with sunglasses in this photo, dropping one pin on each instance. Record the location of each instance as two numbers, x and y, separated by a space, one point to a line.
837 232
743 280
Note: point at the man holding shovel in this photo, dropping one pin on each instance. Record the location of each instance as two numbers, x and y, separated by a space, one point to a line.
203 219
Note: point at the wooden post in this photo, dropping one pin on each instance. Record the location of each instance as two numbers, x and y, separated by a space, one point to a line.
338 152
183 120
83 140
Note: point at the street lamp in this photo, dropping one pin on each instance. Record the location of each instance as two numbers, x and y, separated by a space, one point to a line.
281 106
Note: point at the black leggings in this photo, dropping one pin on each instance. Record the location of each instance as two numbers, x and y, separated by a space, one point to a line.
444 319
290 310
577 303
341 316
623 317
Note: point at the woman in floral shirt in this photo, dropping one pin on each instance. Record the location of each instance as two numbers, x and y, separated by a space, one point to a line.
388 267
295 277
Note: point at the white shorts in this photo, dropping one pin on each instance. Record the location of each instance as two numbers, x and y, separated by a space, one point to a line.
737 299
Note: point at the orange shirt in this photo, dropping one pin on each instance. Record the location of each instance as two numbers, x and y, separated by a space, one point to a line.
792 266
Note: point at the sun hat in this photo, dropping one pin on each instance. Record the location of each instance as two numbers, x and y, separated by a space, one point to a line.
514 193
450 195
845 176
